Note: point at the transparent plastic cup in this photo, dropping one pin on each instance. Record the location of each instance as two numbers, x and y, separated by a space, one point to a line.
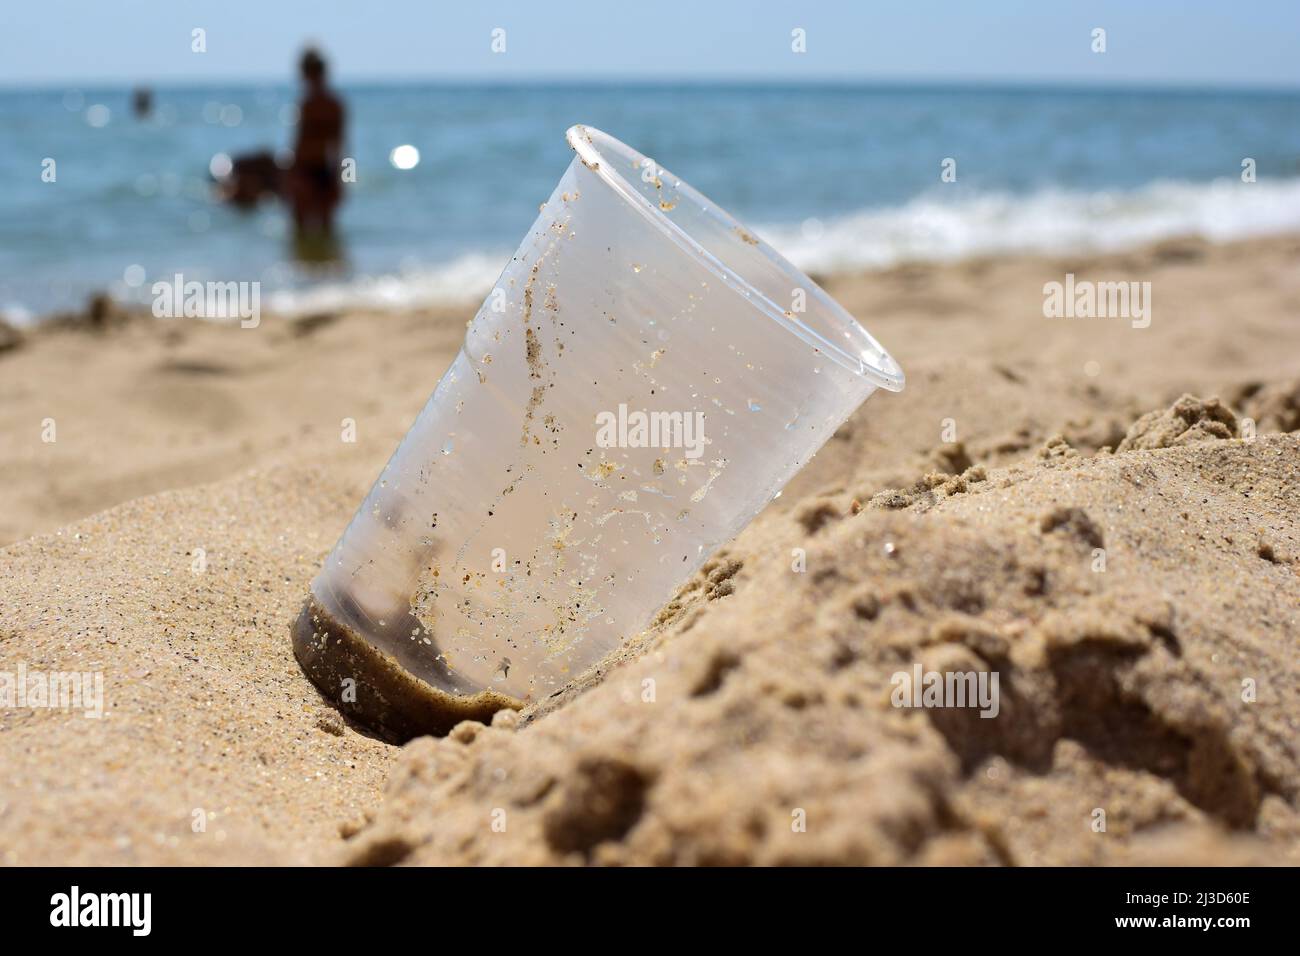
645 377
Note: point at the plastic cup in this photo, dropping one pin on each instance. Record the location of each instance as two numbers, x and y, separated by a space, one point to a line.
645 377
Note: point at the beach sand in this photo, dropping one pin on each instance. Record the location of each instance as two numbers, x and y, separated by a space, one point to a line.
167 536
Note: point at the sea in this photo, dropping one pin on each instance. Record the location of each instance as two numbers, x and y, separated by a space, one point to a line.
449 177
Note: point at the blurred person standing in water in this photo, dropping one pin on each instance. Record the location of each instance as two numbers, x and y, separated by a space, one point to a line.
315 180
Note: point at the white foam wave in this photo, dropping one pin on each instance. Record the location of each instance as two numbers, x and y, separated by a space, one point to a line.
467 278
930 227
1051 221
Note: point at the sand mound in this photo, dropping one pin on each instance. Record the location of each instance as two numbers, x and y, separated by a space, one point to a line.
1275 407
1186 421
1122 647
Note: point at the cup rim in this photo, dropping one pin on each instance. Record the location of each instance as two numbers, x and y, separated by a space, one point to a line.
879 368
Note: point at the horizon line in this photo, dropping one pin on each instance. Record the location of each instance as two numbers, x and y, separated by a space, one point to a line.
633 80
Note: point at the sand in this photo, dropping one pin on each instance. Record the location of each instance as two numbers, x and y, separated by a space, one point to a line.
1113 529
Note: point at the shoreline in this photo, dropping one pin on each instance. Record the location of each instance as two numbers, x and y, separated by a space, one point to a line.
929 228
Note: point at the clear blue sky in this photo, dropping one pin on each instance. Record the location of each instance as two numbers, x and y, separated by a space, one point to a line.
1166 42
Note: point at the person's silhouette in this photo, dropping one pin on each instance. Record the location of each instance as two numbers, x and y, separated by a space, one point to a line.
142 102
315 186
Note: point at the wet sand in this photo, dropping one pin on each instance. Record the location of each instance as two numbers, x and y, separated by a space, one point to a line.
370 687
199 475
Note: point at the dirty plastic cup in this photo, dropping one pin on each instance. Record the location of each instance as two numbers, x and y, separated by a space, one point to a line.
644 378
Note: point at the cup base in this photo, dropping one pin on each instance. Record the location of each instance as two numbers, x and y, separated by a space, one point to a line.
372 689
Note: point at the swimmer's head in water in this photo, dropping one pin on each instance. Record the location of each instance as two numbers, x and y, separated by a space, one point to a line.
312 66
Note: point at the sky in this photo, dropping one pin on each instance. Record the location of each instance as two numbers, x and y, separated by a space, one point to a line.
1187 43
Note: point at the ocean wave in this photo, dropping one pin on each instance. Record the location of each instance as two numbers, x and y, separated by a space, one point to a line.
933 227
467 278
928 228
1051 221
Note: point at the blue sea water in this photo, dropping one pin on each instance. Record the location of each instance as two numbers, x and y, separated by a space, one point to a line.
837 177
